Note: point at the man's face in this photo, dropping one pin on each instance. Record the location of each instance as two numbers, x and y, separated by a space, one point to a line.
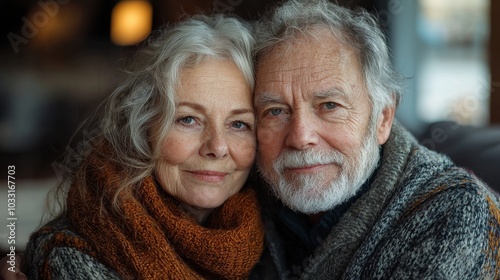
313 111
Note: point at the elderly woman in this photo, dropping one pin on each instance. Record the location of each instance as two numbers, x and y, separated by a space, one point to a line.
162 192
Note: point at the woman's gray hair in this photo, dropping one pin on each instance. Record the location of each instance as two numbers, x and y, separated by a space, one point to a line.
355 28
140 112
147 98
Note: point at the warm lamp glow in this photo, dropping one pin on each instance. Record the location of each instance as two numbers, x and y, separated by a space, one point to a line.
131 22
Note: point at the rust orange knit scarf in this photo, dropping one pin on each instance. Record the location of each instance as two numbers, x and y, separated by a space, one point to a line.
155 239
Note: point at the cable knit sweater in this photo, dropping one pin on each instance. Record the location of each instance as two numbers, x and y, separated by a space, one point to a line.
421 218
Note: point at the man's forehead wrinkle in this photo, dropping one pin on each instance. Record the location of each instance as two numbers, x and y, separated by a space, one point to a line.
276 76
313 72
322 72
266 78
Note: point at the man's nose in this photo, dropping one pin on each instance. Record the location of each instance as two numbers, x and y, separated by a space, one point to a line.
302 132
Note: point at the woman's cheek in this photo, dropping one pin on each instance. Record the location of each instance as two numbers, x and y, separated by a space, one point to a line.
178 148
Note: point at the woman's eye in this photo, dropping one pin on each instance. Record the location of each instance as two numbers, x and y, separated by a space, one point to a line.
187 120
329 105
240 125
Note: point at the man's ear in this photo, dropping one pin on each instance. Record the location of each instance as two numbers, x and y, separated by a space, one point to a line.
384 124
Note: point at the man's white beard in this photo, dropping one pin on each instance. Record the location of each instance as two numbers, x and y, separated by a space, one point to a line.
308 194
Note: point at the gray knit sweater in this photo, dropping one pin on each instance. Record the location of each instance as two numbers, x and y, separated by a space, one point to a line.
421 218
56 250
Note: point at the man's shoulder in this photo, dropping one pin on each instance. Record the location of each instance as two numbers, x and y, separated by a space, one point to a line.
438 171
433 188
452 189
421 165
430 181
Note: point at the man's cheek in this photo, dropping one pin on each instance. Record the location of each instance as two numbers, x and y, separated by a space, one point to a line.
266 137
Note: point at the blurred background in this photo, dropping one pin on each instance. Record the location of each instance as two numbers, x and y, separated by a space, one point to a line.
60 58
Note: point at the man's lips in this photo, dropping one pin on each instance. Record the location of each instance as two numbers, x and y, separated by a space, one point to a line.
208 175
307 169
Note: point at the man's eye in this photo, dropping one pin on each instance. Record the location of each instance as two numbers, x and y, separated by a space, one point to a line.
275 111
329 105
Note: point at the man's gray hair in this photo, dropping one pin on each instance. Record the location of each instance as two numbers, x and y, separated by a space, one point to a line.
355 28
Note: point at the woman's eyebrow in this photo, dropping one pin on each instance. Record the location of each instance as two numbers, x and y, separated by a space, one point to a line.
195 106
242 111
201 108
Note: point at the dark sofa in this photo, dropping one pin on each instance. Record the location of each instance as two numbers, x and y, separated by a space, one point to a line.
474 148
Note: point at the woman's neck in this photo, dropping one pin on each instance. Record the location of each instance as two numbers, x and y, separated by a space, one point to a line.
199 214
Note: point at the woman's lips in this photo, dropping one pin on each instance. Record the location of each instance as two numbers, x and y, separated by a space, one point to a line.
208 175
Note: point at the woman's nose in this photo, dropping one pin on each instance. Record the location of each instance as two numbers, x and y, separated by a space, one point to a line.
215 145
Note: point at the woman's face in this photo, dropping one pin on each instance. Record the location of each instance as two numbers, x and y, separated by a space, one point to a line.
207 155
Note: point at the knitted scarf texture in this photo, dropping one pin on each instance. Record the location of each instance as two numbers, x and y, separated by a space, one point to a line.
154 238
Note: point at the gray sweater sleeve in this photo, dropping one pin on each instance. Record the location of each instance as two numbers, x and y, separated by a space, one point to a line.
56 252
443 236
69 263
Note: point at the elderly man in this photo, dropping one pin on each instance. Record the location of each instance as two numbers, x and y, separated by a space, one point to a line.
361 199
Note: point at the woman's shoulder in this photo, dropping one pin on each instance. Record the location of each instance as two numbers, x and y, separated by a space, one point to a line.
55 234
60 226
56 251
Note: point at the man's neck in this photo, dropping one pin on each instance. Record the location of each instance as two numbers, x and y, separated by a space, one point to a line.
314 218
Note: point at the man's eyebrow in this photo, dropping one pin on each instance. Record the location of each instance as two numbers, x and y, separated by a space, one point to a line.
335 91
266 98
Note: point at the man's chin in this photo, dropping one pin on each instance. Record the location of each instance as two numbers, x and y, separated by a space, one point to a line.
312 200
313 205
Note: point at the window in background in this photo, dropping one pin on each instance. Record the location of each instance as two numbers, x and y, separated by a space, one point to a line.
453 76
